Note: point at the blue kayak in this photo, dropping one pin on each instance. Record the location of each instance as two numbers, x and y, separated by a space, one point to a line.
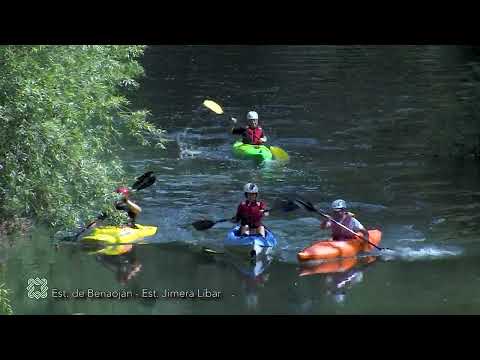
251 245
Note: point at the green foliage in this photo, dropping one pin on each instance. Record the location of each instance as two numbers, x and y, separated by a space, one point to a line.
5 307
114 218
63 116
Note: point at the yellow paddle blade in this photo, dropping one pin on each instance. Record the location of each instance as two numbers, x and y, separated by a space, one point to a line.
279 153
212 105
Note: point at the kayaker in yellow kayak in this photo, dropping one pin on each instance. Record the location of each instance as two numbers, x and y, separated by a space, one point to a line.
341 215
250 212
127 205
252 134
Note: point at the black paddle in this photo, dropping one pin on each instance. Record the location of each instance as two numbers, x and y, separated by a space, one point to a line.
142 182
201 225
239 131
207 224
309 207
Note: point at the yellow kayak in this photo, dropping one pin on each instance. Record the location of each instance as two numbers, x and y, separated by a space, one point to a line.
106 237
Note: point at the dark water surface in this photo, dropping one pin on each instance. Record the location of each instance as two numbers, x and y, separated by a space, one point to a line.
356 123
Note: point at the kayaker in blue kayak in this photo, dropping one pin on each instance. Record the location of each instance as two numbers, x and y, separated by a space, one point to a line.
252 134
250 212
125 204
341 215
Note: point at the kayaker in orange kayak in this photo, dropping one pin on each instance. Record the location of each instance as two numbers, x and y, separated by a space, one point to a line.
252 134
250 212
127 205
341 215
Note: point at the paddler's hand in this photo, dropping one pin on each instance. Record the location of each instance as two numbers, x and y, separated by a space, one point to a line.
365 234
265 212
325 224
102 216
233 120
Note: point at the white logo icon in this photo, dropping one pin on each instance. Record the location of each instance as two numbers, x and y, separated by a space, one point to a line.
37 293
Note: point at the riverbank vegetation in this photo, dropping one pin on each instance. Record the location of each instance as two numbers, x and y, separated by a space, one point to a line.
5 307
64 115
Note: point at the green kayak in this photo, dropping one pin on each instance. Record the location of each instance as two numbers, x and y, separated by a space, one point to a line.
255 152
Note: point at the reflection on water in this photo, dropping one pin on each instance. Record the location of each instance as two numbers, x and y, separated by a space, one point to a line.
125 266
339 275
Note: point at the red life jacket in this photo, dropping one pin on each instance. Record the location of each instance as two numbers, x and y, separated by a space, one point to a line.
338 233
249 213
252 136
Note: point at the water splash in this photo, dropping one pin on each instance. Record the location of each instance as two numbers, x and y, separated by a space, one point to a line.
186 150
424 253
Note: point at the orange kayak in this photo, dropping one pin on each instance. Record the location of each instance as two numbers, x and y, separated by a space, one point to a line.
329 249
336 265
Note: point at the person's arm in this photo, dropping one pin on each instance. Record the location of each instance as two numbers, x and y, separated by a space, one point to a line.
365 234
325 224
358 227
237 130
264 209
263 139
234 121
133 207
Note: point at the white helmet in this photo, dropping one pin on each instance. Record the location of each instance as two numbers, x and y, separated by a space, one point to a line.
252 115
339 204
250 188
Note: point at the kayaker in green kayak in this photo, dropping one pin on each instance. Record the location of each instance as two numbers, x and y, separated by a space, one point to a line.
250 212
127 205
252 134
341 215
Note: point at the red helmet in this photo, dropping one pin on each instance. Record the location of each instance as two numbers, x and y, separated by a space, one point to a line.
123 190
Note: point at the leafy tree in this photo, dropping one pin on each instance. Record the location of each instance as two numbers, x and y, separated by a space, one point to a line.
64 114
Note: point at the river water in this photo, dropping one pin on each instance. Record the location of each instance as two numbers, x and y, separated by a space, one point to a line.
358 124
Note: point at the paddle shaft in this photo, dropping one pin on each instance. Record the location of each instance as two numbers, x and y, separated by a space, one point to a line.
87 227
264 211
204 249
230 219
224 220
105 243
120 244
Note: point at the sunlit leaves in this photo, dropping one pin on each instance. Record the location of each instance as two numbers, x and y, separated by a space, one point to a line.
5 307
63 117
